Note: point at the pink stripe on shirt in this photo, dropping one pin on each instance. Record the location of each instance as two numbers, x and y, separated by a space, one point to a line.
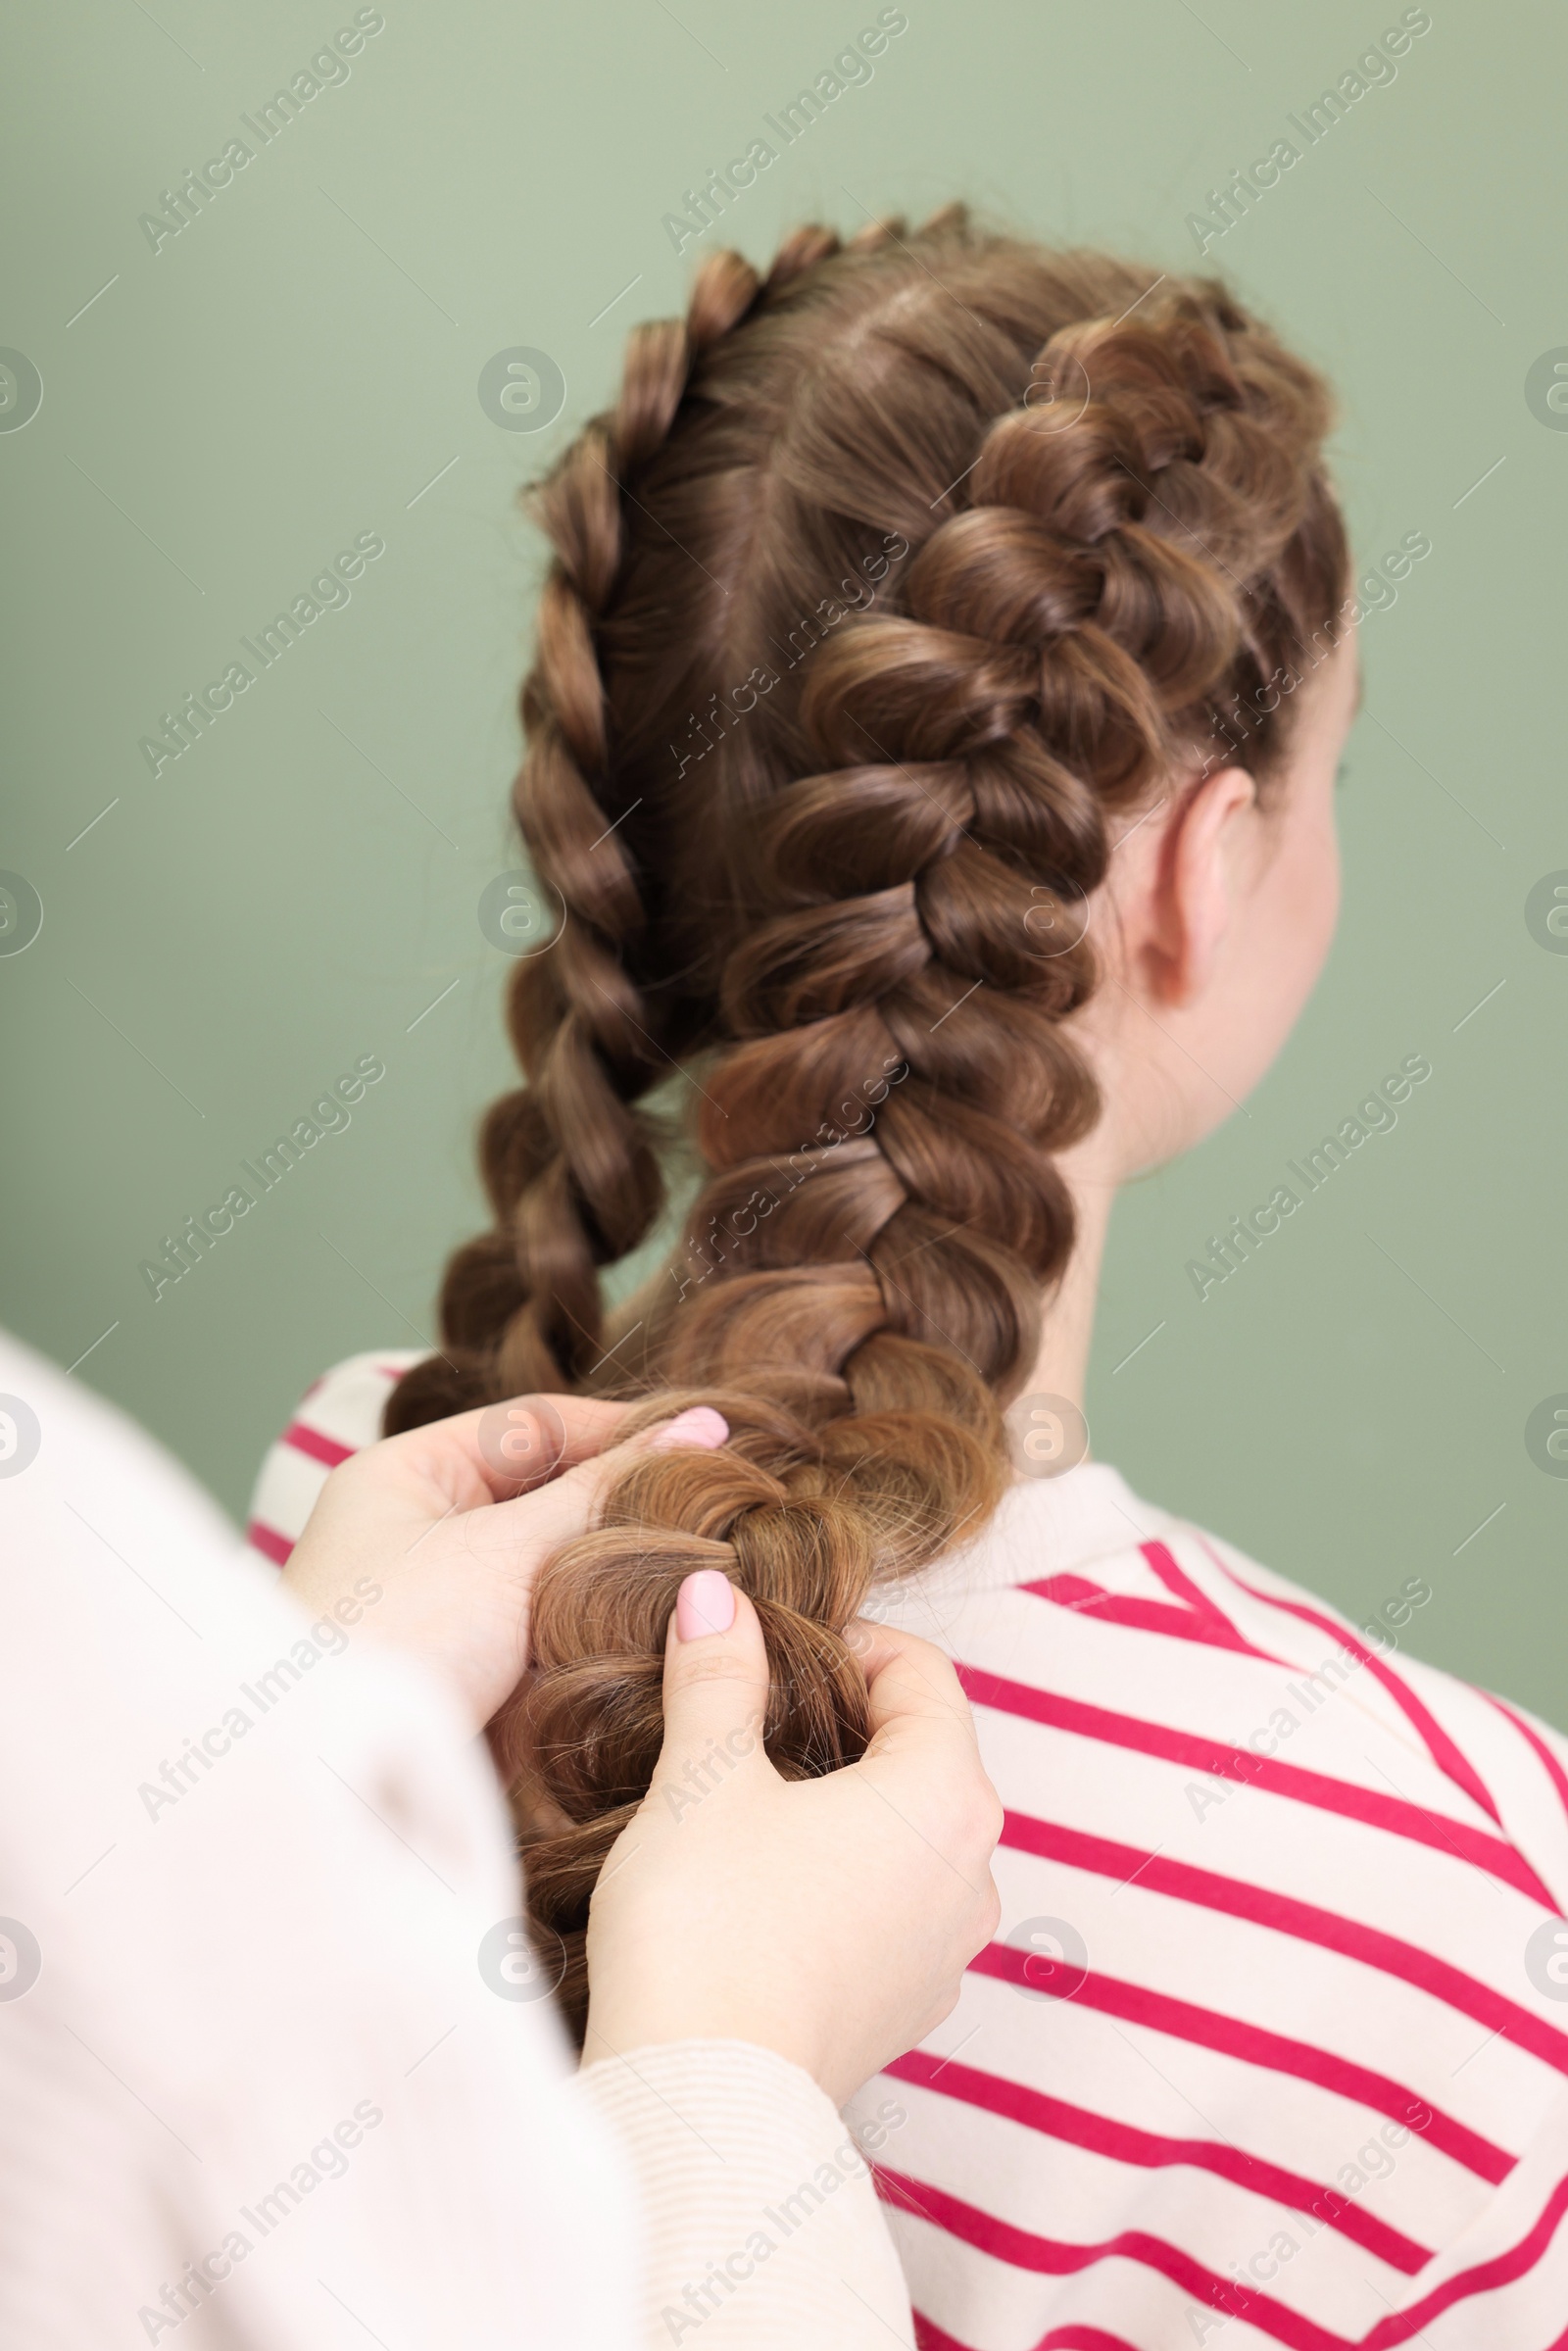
1543 1756
929 2336
1085 1599
1253 2044
1124 2142
1396 1813
1307 1921
1055 2257
1485 2279
1440 1745
303 1439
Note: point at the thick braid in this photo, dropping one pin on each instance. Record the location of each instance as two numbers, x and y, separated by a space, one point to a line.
909 937
1072 525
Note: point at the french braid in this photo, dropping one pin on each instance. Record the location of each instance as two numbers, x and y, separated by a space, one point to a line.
1100 536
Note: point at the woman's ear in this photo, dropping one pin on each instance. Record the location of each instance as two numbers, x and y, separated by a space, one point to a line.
1191 886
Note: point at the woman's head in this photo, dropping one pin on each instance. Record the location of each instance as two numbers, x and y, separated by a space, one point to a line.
933 630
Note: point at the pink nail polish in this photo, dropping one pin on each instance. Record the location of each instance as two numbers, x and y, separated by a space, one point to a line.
701 1426
706 1604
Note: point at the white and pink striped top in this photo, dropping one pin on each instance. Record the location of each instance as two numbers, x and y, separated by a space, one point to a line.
1272 2047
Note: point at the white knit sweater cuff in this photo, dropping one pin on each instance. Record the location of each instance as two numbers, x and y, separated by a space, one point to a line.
763 2227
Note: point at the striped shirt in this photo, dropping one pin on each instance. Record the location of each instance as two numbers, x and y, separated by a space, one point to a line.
1272 2045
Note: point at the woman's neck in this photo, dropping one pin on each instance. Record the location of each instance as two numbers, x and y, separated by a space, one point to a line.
1061 1367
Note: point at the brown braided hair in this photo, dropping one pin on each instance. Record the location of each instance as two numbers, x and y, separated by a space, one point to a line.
1053 529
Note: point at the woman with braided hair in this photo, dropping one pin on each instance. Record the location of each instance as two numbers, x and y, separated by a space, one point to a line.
940 685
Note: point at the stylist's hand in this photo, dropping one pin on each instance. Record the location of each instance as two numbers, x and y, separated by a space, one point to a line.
432 1523
828 1919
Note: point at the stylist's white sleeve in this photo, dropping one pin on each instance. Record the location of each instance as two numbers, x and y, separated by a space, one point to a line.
262 2078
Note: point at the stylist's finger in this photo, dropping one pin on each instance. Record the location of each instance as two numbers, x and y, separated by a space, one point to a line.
923 1752
552 1514
669 1957
507 1452
715 1680
498 1452
909 1679
920 1718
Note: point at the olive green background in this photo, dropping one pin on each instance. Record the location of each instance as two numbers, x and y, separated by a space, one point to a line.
301 362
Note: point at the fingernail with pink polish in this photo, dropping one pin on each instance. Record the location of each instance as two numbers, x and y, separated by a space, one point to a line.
701 1426
706 1604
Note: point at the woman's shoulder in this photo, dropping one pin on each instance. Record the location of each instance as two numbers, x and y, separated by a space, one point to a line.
339 1414
1084 1601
